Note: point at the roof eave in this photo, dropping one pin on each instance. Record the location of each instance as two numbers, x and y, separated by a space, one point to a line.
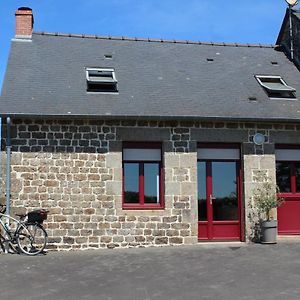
151 117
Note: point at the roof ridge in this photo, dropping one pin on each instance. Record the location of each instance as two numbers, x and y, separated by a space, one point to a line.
152 40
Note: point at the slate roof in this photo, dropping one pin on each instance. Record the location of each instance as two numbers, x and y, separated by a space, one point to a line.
46 77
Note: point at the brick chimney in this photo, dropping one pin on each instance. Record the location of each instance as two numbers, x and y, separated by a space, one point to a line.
24 22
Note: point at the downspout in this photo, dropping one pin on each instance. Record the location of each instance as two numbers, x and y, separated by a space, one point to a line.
8 165
291 32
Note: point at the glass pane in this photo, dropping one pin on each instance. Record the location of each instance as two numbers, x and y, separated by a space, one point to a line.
131 183
225 201
283 177
151 183
297 174
202 207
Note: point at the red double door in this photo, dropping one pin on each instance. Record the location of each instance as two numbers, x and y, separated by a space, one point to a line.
219 199
288 181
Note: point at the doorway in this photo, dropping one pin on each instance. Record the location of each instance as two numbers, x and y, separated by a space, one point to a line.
288 181
219 194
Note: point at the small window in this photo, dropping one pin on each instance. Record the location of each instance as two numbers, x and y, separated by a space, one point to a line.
101 80
283 176
288 169
276 87
142 176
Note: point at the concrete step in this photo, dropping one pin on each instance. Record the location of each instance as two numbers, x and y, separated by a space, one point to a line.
288 238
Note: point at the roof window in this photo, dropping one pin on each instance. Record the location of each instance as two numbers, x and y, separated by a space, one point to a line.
276 87
101 80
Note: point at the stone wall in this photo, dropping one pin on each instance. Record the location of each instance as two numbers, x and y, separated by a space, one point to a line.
257 168
74 169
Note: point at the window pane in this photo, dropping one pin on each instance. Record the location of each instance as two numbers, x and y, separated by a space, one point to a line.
297 174
283 176
151 183
225 201
131 183
202 207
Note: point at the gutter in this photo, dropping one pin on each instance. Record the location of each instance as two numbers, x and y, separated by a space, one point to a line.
151 118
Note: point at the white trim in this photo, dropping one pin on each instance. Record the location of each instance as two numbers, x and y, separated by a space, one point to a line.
287 154
215 153
261 77
141 154
285 99
105 93
101 70
157 187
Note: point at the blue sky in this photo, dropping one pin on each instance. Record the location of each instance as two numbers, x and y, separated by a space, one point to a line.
253 21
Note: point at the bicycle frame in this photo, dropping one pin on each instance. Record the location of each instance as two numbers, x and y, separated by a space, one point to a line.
6 227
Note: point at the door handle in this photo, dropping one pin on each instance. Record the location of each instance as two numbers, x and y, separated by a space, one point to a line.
211 198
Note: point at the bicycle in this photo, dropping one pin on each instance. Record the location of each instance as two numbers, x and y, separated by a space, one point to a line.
28 236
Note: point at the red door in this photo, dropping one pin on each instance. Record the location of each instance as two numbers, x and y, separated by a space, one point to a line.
288 181
219 200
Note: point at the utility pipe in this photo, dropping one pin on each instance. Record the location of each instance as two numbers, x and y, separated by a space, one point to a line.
8 164
291 31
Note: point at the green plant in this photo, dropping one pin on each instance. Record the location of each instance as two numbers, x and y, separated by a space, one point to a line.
266 197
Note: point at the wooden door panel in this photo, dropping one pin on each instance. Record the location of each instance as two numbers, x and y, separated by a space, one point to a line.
289 217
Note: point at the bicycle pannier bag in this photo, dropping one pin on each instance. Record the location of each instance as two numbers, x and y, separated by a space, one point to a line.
37 216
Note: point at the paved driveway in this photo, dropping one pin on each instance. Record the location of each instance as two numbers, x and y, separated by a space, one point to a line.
183 273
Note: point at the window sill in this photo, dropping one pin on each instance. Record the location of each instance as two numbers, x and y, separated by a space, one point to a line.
283 98
102 93
144 207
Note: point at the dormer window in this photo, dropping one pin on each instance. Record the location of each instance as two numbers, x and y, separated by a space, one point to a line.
101 80
276 87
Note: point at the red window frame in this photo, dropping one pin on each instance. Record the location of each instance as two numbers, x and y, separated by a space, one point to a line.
141 183
293 193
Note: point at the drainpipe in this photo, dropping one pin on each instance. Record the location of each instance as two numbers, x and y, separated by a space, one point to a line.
8 164
291 32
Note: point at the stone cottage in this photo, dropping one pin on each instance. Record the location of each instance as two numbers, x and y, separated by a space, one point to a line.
139 142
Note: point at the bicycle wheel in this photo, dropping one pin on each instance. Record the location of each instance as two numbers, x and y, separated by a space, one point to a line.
8 245
32 239
2 239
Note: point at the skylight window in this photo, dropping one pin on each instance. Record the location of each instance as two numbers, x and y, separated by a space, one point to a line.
101 80
276 87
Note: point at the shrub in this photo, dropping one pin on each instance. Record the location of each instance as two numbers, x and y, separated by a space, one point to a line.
266 198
